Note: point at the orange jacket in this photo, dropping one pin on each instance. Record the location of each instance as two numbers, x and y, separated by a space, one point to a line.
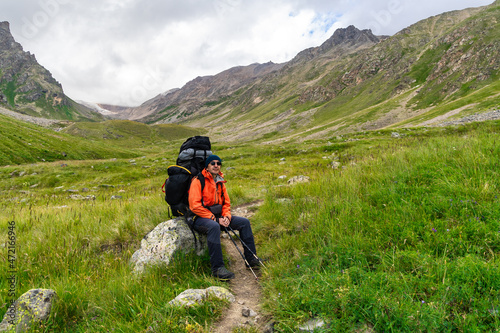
212 195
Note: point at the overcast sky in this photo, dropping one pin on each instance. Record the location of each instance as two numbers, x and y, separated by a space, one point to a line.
125 52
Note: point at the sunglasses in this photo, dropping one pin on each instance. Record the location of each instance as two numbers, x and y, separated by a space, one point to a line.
215 163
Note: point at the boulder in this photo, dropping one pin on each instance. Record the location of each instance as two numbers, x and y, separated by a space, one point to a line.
193 297
160 245
33 306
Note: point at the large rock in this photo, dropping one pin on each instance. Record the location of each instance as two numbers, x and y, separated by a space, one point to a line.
160 244
33 306
193 297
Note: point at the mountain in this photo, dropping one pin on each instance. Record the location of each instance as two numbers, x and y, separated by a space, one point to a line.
197 94
28 88
444 65
202 93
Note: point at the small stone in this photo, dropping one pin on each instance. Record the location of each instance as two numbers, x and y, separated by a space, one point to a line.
298 179
246 312
311 325
335 165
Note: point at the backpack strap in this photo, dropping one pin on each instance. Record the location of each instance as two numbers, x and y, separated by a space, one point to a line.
223 196
201 178
190 215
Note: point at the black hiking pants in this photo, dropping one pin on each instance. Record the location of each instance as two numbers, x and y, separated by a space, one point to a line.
213 229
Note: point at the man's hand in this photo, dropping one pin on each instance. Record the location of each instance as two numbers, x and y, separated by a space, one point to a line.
224 221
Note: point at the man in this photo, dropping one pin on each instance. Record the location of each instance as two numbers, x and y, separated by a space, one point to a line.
213 213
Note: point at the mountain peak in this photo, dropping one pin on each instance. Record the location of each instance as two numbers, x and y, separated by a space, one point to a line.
5 26
26 85
343 40
350 36
6 39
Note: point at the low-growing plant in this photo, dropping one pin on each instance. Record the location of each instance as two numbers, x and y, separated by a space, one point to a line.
403 235
405 240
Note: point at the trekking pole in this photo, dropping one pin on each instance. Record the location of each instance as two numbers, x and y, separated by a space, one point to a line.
237 248
244 244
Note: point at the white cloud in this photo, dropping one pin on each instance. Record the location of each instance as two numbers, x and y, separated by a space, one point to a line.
127 51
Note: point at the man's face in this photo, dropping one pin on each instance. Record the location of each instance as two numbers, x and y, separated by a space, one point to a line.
214 167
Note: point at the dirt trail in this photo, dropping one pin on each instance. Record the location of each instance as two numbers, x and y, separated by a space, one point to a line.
244 286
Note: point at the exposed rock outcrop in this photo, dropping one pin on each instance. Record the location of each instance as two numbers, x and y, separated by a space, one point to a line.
33 306
193 297
22 72
29 88
168 238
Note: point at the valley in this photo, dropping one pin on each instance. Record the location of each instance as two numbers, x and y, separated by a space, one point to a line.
368 166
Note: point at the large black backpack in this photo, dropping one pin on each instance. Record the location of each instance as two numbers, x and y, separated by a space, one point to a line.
190 162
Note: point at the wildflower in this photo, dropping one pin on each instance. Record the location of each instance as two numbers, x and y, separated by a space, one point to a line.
447 229
433 229
298 266
423 302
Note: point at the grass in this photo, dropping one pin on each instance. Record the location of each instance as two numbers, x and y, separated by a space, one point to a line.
404 236
406 240
126 133
27 143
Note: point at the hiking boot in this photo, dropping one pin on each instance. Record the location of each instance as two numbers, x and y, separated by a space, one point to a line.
223 274
256 263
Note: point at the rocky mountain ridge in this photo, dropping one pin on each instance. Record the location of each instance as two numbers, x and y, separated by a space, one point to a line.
357 81
198 95
197 92
353 81
28 88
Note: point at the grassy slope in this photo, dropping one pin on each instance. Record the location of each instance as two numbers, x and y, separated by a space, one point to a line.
404 238
130 133
411 73
22 142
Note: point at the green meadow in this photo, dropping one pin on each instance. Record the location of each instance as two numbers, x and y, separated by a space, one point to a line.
402 237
